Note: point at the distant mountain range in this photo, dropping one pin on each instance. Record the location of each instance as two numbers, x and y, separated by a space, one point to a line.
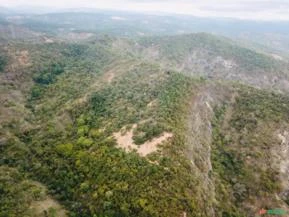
261 33
120 114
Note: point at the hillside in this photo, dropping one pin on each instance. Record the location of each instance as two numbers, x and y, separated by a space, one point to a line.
162 126
82 22
216 57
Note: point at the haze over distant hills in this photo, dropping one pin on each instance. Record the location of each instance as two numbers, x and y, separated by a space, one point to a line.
122 114
273 34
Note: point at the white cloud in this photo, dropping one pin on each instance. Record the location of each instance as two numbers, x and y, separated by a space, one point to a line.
244 9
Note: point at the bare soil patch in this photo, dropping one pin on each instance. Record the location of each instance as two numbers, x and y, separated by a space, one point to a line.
23 58
40 207
126 142
110 77
48 40
79 35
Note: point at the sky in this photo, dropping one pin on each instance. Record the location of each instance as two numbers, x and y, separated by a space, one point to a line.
242 9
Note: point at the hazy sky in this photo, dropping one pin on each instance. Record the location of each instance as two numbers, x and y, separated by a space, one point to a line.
244 9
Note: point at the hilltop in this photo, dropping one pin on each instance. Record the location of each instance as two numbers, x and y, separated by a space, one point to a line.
186 125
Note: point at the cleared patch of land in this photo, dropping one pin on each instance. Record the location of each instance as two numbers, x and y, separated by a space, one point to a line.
126 142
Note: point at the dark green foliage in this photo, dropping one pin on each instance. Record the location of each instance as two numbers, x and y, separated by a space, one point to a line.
249 134
13 184
98 103
227 165
259 105
80 163
172 104
67 143
147 131
48 74
43 78
36 91
3 61
75 50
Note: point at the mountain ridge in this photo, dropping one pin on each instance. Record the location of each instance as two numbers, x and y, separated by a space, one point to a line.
66 104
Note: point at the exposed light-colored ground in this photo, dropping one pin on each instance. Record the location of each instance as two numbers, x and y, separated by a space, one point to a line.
126 142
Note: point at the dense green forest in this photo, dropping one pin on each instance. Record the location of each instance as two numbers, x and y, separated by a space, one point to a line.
242 145
71 109
3 62
82 161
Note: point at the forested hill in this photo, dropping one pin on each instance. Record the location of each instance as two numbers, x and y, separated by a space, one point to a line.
209 56
190 125
267 35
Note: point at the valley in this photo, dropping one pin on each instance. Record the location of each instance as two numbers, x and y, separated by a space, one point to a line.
97 124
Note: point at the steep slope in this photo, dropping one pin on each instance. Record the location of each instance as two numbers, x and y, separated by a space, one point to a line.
247 155
237 143
110 132
216 58
29 198
69 145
